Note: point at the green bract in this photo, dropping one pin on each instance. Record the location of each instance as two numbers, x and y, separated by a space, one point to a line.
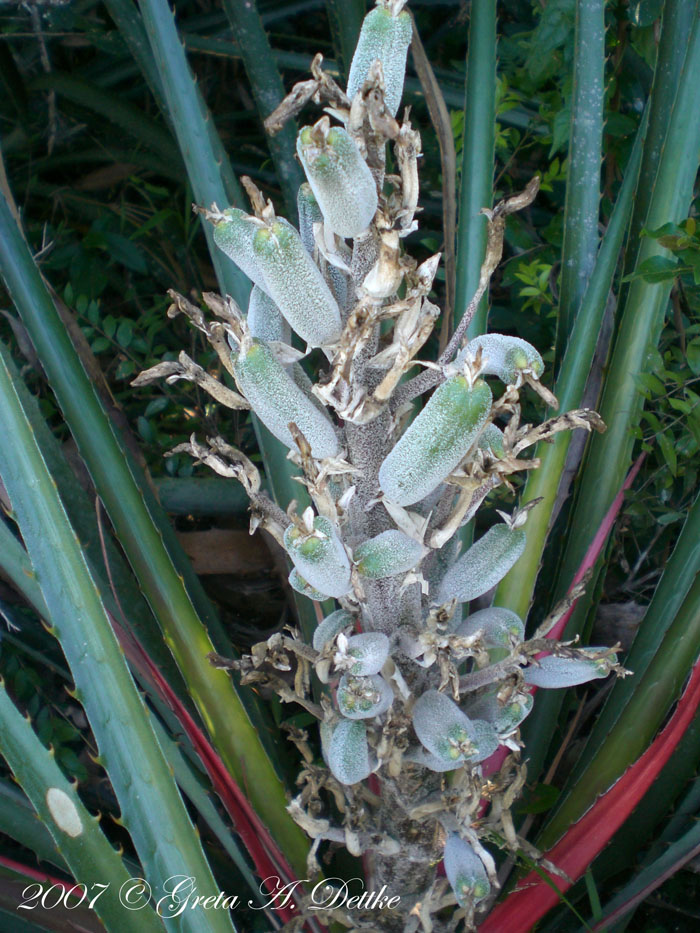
391 552
499 626
320 557
505 357
504 717
277 400
446 732
484 564
340 179
385 37
298 583
265 320
329 628
552 672
234 236
348 755
370 649
295 284
436 442
465 871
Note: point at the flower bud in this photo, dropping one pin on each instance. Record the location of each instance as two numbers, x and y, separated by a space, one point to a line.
385 37
295 284
339 177
484 565
319 556
435 443
491 440
386 555
277 400
363 697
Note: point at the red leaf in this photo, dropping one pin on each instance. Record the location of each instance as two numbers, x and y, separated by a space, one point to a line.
586 839
267 857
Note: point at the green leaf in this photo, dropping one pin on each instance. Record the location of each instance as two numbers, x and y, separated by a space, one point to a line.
655 269
692 354
150 805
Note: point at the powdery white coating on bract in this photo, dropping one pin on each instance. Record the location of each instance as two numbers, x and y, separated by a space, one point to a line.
298 583
330 627
437 440
340 179
309 214
295 284
486 739
418 755
64 812
320 558
387 38
442 728
491 440
553 672
326 731
504 356
484 565
234 236
504 718
371 650
265 320
499 626
387 554
363 697
348 755
276 399
465 871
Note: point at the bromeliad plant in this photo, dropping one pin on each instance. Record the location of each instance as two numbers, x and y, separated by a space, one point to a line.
423 706
414 687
